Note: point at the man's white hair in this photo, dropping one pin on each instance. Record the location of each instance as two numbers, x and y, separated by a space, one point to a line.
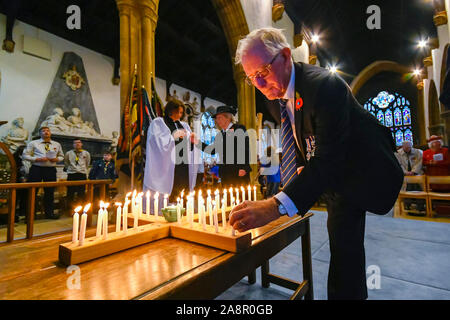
273 39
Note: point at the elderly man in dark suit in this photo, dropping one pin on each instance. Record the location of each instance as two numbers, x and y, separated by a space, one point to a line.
331 146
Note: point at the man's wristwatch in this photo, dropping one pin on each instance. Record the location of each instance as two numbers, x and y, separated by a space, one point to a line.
281 209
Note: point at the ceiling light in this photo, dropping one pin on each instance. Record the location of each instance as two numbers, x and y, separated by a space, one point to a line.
422 43
315 38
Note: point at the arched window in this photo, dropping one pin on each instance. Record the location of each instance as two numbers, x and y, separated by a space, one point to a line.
208 135
394 112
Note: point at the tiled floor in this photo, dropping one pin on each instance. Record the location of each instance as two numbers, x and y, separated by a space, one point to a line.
413 257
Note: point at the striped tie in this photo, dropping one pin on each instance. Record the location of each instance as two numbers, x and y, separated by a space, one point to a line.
288 163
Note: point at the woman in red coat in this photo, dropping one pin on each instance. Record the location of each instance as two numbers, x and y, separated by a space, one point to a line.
437 162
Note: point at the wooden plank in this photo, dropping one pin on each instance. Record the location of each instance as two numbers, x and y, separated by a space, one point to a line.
307 261
93 248
208 237
301 291
31 212
54 184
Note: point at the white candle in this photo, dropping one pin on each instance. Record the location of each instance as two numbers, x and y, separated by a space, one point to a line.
125 216
140 203
155 205
178 211
135 212
216 220
203 214
191 216
209 208
224 216
75 223
217 196
182 199
165 200
105 221
133 202
254 193
199 200
99 220
225 197
231 194
243 193
83 224
147 203
250 193
118 216
237 194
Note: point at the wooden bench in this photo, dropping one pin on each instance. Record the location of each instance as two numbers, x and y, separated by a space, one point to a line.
423 195
436 195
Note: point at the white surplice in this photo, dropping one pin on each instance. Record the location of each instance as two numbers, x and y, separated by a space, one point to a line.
160 158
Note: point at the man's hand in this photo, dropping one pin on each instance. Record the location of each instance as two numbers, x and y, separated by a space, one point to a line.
242 172
253 214
53 160
179 134
41 159
194 138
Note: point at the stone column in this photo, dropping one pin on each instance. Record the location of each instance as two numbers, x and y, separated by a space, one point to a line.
421 116
149 19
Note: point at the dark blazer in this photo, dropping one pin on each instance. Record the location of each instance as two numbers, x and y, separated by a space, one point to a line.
98 170
351 153
229 168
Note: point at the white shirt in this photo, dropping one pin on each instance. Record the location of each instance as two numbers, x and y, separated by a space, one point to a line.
37 149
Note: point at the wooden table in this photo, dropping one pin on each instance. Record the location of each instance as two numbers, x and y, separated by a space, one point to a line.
164 269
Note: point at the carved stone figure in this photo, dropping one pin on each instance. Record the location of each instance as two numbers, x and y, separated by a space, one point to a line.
115 139
56 122
16 135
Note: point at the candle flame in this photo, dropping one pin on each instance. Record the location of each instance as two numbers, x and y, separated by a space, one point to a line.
106 205
102 204
119 204
128 195
231 190
178 199
217 191
166 196
242 188
140 195
148 194
134 193
77 209
156 195
87 207
209 192
254 187
249 188
182 193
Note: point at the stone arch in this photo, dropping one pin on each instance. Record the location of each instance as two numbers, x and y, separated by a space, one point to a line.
373 69
444 66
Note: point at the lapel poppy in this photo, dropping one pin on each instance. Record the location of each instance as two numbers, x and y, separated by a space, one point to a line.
298 101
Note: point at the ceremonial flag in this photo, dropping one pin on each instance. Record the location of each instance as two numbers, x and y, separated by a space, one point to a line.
156 101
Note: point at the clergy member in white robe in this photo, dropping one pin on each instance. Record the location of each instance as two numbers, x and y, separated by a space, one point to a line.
171 161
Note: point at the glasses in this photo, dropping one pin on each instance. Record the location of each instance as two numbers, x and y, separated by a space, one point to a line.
261 74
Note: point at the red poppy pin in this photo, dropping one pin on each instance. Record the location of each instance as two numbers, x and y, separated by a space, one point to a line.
298 101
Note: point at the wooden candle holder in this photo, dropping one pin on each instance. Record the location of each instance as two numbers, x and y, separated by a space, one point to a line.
148 231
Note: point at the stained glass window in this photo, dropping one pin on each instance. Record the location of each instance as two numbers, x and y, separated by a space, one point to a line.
208 135
394 111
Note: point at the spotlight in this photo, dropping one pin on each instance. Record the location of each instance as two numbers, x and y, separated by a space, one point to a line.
416 72
422 43
333 69
315 38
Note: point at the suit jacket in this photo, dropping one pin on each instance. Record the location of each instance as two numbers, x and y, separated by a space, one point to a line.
229 168
349 151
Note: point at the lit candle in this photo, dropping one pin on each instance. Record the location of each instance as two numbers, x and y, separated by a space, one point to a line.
237 195
105 221
125 216
118 216
147 203
191 218
83 223
231 193
209 207
127 196
224 216
254 193
250 193
155 205
99 220
133 202
165 200
216 220
141 197
178 211
203 215
135 208
225 197
243 193
76 220
182 199
217 196
199 200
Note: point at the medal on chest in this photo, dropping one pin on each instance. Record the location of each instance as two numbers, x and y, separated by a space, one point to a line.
310 147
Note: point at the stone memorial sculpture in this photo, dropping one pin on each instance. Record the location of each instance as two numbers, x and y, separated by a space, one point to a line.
16 136
115 139
57 123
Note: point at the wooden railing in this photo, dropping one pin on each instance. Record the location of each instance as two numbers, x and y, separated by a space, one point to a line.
32 187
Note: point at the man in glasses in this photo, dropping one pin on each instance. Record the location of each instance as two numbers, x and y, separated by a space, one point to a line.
331 146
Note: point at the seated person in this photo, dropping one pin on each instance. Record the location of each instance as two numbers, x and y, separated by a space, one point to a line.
437 162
